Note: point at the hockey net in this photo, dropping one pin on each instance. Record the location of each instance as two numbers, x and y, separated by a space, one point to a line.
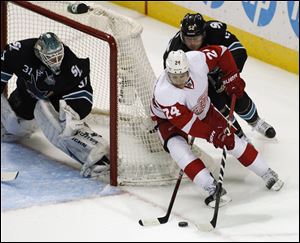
121 77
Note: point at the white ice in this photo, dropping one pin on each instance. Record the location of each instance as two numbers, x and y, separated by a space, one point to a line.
255 214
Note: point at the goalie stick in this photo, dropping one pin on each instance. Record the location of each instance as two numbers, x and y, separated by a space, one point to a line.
213 222
9 176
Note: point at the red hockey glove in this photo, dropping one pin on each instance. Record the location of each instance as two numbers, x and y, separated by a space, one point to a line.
219 138
234 85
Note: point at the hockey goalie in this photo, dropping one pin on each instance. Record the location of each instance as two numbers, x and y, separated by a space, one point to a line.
54 94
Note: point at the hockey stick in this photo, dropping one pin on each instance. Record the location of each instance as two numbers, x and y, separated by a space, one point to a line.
9 176
164 219
213 221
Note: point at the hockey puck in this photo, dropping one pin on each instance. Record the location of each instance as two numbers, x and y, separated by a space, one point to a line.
183 224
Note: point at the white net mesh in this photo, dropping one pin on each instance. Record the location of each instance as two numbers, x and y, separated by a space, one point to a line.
141 158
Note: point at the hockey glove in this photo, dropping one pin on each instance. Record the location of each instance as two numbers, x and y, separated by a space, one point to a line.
215 78
219 139
234 84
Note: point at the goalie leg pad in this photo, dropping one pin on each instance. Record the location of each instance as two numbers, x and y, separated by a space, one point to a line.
47 119
88 148
13 127
78 141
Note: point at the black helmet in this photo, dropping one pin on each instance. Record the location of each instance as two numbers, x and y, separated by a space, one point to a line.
192 25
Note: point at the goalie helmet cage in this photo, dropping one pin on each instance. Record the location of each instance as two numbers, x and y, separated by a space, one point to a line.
121 76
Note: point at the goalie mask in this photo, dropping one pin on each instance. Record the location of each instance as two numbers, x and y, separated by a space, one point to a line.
50 50
177 68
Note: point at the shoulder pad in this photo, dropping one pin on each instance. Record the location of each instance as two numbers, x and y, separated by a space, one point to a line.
215 32
214 25
72 60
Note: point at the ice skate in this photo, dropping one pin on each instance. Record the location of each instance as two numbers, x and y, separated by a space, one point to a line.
272 180
211 199
264 128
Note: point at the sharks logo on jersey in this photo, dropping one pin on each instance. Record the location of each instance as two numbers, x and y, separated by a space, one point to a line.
34 91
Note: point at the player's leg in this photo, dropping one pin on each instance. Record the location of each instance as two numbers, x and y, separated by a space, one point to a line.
247 154
175 143
251 158
246 109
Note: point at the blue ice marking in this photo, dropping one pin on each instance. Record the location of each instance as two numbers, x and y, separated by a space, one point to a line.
43 181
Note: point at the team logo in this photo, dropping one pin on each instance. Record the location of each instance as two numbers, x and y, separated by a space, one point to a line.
192 27
213 4
76 71
34 91
49 79
260 12
15 46
293 10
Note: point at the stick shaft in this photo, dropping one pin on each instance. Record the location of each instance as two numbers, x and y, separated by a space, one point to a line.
222 167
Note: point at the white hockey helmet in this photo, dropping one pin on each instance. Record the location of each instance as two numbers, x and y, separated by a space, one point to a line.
177 67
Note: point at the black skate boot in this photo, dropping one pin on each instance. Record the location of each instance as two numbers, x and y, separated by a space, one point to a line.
211 199
264 128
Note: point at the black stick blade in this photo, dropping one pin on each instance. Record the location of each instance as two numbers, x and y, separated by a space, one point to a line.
152 222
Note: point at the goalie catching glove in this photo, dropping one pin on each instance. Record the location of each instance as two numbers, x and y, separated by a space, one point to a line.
67 132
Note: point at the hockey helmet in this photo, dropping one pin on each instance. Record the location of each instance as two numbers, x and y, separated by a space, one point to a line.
192 25
50 50
177 68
